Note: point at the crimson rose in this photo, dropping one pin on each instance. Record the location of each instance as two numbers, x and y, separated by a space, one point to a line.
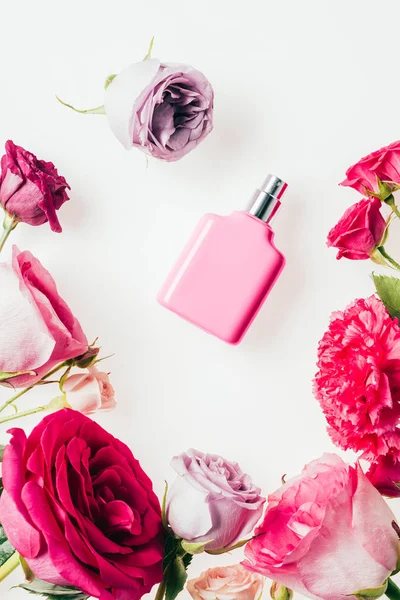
78 507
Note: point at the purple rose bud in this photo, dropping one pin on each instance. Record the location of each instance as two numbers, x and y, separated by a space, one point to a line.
164 109
31 190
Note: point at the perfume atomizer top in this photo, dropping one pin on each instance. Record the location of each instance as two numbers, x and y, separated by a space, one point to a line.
267 199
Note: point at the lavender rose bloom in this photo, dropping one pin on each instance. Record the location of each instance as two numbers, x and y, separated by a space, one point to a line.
164 109
212 499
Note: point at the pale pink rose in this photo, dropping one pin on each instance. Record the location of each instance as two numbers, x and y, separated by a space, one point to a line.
37 328
89 391
383 165
212 500
326 534
226 583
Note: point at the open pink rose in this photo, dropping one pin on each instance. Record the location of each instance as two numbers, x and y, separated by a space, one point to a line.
80 509
226 583
359 231
37 329
31 190
383 164
89 391
212 499
164 109
384 474
326 534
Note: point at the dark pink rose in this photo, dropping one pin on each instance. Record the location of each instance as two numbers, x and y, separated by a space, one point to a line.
79 508
383 165
31 190
326 533
164 109
384 474
359 231
37 328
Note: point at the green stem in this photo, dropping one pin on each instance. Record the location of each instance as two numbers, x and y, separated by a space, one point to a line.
26 413
393 591
99 110
9 224
9 566
161 590
391 202
27 389
388 258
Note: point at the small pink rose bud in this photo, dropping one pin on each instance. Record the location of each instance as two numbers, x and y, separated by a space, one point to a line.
31 190
90 391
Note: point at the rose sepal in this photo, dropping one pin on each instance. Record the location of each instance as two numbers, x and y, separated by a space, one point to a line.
372 592
280 592
239 544
52 592
193 547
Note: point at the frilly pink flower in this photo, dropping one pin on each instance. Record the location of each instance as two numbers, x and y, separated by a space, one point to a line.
89 391
358 382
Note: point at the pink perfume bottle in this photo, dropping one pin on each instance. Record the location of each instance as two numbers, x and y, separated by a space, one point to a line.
228 267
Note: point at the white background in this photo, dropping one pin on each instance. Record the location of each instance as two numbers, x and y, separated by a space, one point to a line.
303 90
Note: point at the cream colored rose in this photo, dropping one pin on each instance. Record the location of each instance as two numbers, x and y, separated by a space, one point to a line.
89 391
226 583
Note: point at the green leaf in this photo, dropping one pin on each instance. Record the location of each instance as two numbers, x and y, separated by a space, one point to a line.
53 592
194 548
6 548
4 375
176 577
1 453
388 290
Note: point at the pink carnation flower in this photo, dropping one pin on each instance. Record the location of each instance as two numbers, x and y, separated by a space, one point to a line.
358 382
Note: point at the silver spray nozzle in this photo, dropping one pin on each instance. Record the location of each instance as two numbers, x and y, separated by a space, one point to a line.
267 199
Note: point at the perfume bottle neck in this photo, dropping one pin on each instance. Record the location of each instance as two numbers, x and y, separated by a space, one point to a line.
267 199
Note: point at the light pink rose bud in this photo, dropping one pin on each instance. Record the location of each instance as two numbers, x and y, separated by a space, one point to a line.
212 499
89 392
226 583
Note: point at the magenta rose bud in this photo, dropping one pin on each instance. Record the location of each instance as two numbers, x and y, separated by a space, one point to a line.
326 534
359 231
38 330
31 190
384 474
164 109
212 499
381 165
79 508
